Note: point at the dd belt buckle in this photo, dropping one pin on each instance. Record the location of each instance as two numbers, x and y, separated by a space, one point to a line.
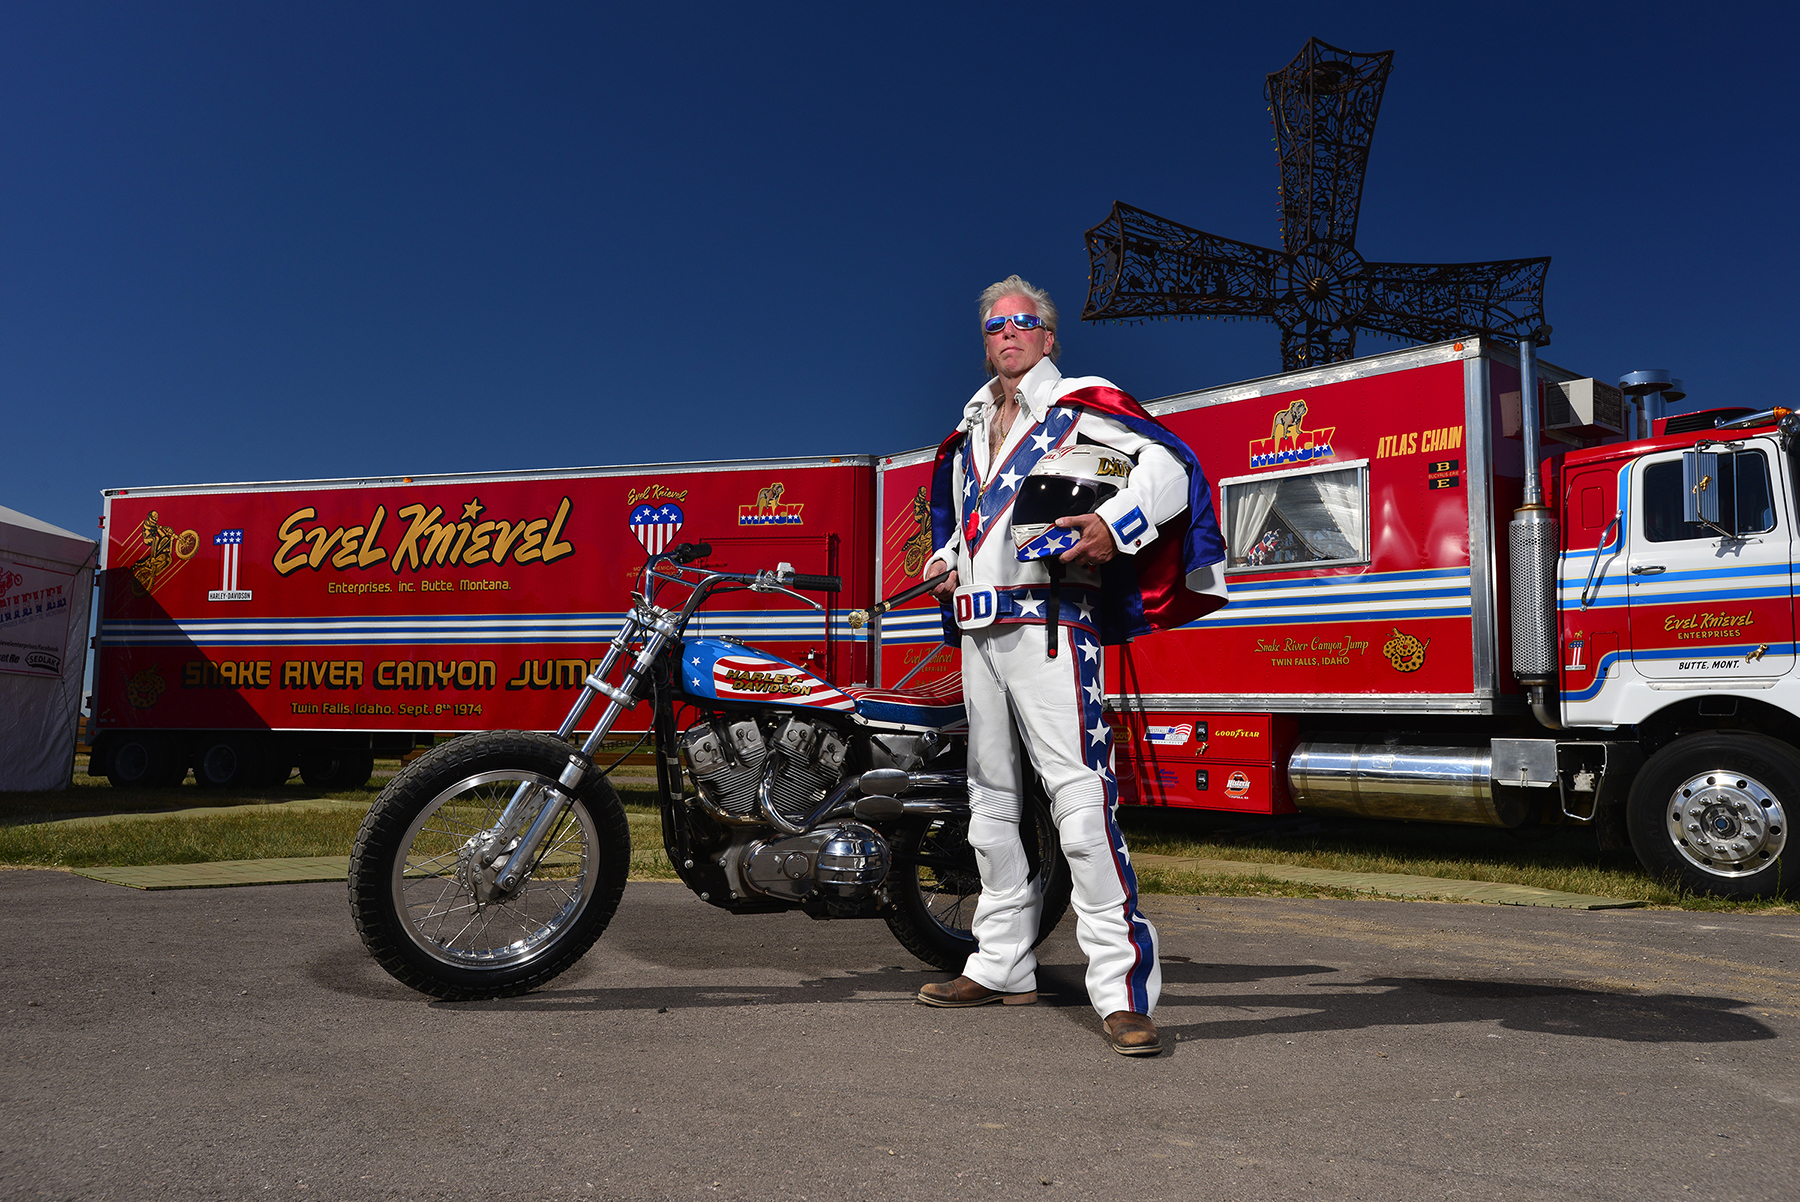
974 606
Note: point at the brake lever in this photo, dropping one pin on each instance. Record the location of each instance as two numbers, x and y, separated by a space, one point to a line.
766 583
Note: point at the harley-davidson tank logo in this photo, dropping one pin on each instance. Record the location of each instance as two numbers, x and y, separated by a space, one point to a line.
768 510
1289 440
740 677
1405 652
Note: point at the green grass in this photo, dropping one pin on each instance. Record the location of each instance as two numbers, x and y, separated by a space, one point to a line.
1564 858
292 820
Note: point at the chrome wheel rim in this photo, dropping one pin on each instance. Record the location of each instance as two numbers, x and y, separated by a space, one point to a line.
442 915
1726 823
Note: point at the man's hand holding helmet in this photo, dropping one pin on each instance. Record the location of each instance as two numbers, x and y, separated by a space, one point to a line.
1053 515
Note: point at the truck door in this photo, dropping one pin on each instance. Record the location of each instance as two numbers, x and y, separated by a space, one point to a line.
1711 604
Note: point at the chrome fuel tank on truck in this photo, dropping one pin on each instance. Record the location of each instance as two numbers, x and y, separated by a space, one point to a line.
1423 784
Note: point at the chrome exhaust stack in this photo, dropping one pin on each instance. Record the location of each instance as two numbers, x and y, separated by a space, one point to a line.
1534 549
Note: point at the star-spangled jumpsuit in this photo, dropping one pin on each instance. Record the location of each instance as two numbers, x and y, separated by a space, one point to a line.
1015 692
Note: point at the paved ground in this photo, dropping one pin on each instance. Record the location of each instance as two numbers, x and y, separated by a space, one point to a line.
235 1043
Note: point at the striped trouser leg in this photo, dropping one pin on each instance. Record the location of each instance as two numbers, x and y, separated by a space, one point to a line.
1057 705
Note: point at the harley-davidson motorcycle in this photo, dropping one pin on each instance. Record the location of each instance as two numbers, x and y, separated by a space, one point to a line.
493 863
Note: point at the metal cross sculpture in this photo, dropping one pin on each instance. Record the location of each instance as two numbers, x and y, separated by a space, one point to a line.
1316 287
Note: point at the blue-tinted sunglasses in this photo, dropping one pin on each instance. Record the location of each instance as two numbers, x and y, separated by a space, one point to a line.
1021 321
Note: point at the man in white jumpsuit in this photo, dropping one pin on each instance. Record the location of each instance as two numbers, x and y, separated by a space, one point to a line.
1016 691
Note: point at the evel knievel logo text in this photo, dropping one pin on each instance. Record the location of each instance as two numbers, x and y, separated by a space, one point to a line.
419 536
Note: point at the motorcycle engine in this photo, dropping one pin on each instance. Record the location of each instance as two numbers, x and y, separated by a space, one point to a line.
730 757
843 861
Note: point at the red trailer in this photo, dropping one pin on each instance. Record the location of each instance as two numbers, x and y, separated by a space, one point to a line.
245 628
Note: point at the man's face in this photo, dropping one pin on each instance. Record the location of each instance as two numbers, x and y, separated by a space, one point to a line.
1013 351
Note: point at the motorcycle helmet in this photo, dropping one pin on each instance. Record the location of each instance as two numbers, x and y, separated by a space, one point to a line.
1066 482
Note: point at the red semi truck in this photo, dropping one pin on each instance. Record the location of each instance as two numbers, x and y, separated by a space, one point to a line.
1429 620
1432 619
248 628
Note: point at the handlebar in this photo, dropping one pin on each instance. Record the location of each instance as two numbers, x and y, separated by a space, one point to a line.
812 584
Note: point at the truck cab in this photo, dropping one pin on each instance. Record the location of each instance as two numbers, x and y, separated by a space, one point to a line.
1675 615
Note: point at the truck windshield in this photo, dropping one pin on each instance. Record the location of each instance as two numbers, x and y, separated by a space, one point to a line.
1746 503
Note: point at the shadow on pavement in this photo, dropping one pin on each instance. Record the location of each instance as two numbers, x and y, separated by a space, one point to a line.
1543 1007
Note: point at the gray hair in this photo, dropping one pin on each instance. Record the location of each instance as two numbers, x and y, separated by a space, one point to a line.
1014 285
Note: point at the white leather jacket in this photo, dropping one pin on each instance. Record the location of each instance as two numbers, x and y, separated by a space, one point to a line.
1157 489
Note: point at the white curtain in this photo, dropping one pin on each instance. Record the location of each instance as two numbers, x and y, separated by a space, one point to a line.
1248 506
1341 495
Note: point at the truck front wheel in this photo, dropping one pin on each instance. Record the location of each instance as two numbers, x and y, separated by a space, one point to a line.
1711 810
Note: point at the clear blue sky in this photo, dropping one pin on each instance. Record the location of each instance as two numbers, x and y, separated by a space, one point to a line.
247 241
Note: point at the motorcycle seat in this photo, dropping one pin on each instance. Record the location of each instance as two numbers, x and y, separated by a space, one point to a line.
937 705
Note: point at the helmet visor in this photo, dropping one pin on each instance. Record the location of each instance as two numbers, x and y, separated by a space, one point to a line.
1043 499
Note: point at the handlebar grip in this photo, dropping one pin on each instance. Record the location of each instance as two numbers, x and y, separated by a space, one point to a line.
815 584
689 552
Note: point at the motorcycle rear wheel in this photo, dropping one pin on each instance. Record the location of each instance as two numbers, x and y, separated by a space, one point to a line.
934 902
417 913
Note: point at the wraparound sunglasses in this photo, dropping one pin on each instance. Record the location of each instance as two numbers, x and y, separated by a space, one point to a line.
1021 321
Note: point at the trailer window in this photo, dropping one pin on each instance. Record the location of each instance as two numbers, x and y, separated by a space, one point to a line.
1746 502
1308 519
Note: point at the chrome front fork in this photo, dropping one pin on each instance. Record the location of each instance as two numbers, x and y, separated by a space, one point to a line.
656 627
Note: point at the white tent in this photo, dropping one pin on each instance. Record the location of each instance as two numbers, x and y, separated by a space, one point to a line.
46 587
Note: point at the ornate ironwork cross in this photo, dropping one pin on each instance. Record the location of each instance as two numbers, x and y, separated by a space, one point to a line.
1316 287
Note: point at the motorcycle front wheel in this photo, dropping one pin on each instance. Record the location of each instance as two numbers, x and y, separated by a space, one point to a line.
933 890
412 884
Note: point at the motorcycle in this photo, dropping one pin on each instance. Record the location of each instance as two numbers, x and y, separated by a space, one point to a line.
494 862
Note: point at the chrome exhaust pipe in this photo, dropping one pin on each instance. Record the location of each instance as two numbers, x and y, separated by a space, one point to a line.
1534 550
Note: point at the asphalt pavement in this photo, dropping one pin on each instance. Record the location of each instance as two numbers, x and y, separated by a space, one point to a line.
238 1043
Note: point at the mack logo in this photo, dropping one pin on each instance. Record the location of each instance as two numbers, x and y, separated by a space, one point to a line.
768 510
1289 440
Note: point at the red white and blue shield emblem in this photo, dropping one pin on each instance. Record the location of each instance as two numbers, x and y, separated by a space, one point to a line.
656 526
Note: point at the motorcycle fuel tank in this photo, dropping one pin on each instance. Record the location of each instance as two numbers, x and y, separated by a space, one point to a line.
725 671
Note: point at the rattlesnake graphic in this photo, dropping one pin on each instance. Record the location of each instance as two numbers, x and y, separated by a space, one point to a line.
1405 652
145 688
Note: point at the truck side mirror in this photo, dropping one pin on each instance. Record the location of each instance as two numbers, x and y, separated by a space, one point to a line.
1700 487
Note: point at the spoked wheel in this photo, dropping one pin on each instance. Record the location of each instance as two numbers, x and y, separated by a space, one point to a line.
1711 810
935 889
426 898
